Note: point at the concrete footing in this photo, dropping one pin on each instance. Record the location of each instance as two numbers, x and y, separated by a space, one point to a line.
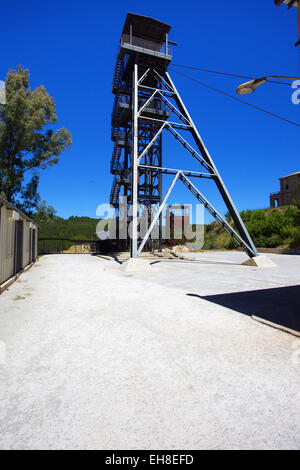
260 261
133 265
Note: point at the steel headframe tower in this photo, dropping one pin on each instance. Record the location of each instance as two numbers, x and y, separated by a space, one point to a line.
146 104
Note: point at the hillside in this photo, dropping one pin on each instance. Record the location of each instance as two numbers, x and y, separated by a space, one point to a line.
269 228
78 228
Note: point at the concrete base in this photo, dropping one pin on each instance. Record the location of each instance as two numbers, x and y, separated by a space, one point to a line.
260 261
133 265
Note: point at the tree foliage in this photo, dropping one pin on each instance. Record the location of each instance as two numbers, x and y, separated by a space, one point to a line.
28 143
271 228
76 228
44 214
268 228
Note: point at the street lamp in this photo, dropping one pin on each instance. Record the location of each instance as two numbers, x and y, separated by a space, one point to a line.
249 87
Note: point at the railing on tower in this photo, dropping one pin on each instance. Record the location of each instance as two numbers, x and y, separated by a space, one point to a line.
146 45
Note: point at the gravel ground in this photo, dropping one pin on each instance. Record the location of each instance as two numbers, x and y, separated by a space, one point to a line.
92 358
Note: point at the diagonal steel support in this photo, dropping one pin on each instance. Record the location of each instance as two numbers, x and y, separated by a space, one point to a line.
152 225
217 216
152 141
164 81
217 177
173 109
143 76
190 149
147 102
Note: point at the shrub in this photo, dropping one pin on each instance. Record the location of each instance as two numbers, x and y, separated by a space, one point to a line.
231 244
295 238
270 230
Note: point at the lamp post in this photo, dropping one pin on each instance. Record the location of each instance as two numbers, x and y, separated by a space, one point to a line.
249 87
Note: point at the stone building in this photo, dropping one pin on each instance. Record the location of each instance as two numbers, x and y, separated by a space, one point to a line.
289 191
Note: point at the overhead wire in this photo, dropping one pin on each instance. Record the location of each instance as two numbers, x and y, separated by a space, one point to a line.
226 73
235 98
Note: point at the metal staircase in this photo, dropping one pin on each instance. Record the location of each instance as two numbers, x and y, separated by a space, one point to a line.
115 160
115 192
119 67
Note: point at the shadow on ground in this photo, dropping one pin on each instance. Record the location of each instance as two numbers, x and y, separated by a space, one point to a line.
279 305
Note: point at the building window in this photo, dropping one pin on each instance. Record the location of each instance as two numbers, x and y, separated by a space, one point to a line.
286 186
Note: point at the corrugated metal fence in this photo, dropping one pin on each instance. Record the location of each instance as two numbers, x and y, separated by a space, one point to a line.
18 241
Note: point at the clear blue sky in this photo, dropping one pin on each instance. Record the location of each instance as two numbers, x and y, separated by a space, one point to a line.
70 47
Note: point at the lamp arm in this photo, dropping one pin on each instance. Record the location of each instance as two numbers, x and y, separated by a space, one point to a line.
277 76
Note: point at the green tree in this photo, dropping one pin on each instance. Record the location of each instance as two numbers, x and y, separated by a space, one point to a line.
27 141
228 217
44 213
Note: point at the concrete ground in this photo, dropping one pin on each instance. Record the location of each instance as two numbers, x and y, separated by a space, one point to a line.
93 358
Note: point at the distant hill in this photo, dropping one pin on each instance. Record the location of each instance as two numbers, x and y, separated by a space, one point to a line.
78 228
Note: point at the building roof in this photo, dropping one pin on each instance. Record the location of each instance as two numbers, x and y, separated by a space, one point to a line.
4 202
146 27
292 174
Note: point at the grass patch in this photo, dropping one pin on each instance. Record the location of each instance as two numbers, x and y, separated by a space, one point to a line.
19 297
